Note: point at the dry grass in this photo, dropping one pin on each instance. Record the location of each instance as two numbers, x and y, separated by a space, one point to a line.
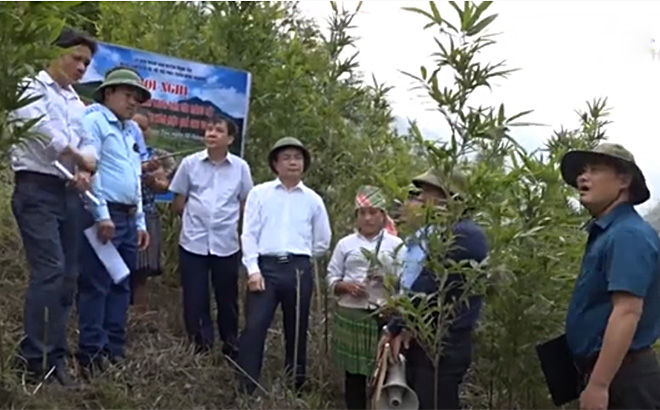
161 370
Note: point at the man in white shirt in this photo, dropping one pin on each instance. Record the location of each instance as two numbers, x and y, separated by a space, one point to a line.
45 206
211 187
285 224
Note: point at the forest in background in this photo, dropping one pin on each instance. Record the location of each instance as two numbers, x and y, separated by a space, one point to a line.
309 85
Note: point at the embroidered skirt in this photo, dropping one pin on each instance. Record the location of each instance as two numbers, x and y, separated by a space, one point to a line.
149 260
355 337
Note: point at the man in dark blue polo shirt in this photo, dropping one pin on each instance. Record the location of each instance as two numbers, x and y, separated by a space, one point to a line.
469 244
614 314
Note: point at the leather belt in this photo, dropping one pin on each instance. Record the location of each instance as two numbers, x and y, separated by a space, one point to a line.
39 178
129 210
281 259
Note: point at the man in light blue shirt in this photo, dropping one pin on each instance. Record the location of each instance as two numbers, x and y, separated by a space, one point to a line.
119 218
210 188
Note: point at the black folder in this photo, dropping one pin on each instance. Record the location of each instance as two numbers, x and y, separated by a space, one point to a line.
559 369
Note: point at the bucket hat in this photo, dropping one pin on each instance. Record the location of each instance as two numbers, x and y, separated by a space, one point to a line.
452 183
122 76
574 162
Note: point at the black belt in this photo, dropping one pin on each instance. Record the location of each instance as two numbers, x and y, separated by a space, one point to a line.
39 178
586 365
284 258
122 208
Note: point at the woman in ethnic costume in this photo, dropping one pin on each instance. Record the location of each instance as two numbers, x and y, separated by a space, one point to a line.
372 250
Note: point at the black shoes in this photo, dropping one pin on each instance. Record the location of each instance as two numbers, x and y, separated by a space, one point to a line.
35 374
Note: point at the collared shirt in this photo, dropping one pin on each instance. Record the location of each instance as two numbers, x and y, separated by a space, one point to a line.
139 140
278 221
349 263
622 255
61 112
414 258
469 244
119 169
214 192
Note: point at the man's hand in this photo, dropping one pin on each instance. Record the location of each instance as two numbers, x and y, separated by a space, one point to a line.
106 230
82 180
594 397
150 165
156 181
350 288
87 162
143 239
396 343
256 283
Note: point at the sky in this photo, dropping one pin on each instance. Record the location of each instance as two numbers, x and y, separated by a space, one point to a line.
568 52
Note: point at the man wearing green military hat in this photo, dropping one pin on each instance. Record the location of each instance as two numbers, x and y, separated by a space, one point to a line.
285 224
469 244
118 217
613 319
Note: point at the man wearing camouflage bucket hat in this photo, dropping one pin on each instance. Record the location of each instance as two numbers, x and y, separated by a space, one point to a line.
350 276
469 244
285 224
102 301
613 319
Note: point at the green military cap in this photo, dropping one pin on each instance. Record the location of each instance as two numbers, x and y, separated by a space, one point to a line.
573 163
453 183
122 76
288 142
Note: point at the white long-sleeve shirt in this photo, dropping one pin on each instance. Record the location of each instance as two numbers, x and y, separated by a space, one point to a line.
281 221
61 112
349 263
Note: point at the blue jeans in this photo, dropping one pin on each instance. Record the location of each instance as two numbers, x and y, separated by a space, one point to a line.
294 293
194 270
46 213
102 304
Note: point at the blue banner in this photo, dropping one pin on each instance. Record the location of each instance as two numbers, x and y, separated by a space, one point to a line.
185 94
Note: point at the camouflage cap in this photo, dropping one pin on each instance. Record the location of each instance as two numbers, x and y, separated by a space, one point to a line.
574 162
288 142
454 183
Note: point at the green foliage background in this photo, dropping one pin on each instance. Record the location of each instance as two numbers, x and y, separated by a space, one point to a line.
304 85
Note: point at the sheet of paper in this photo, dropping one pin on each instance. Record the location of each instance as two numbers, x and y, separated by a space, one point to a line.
108 255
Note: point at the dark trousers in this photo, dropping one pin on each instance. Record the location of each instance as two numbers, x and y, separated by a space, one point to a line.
637 383
102 304
421 373
355 391
289 283
194 270
46 213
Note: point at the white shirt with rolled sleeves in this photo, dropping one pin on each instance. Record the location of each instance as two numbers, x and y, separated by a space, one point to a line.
348 262
60 112
214 193
280 221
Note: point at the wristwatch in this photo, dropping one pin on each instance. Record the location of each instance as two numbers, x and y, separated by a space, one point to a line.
386 331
